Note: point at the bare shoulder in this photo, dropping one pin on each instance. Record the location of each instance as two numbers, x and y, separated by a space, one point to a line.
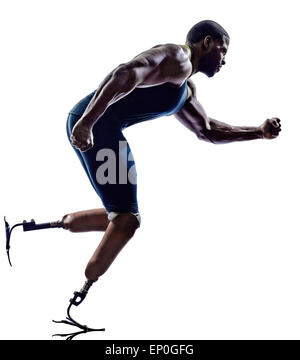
161 63
173 51
159 53
176 66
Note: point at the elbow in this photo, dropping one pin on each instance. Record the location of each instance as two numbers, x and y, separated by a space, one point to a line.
206 135
205 132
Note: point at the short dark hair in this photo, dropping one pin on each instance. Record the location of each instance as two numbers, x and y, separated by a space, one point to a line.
205 28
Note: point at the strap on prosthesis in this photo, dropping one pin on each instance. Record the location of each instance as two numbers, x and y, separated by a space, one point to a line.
78 297
77 300
27 226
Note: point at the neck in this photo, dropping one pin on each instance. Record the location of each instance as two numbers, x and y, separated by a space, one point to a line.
189 49
196 57
192 57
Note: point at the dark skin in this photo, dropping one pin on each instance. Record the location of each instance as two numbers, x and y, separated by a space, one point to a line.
169 63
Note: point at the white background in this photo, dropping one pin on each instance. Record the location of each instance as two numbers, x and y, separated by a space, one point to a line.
217 256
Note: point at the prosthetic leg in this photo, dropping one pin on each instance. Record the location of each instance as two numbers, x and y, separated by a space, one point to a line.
78 297
27 226
77 300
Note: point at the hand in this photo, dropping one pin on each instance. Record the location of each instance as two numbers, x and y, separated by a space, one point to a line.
271 128
82 136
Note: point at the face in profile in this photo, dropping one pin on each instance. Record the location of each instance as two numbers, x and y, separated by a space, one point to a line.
212 62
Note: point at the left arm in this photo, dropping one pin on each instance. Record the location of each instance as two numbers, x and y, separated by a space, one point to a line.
194 117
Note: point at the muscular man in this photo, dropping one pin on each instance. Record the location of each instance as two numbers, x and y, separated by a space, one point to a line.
155 83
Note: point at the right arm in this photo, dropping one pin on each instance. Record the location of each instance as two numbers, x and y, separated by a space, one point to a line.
119 83
115 86
154 66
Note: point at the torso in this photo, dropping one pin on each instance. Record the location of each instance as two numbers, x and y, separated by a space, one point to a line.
169 68
170 63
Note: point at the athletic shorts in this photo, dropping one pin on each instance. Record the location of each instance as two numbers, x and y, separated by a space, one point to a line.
109 164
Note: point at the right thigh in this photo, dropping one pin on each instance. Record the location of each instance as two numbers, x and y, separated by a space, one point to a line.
110 166
112 169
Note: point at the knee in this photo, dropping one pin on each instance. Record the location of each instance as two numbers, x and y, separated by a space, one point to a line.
126 223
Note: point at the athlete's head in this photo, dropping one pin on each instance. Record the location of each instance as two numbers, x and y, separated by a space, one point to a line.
209 42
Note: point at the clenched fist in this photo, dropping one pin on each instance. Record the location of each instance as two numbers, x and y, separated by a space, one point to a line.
82 136
271 128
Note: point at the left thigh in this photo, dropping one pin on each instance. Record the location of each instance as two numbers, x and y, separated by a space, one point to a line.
112 169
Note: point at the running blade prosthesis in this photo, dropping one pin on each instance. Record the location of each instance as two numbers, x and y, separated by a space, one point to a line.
27 226
78 296
77 300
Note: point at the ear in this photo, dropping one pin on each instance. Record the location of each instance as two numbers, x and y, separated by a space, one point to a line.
208 42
